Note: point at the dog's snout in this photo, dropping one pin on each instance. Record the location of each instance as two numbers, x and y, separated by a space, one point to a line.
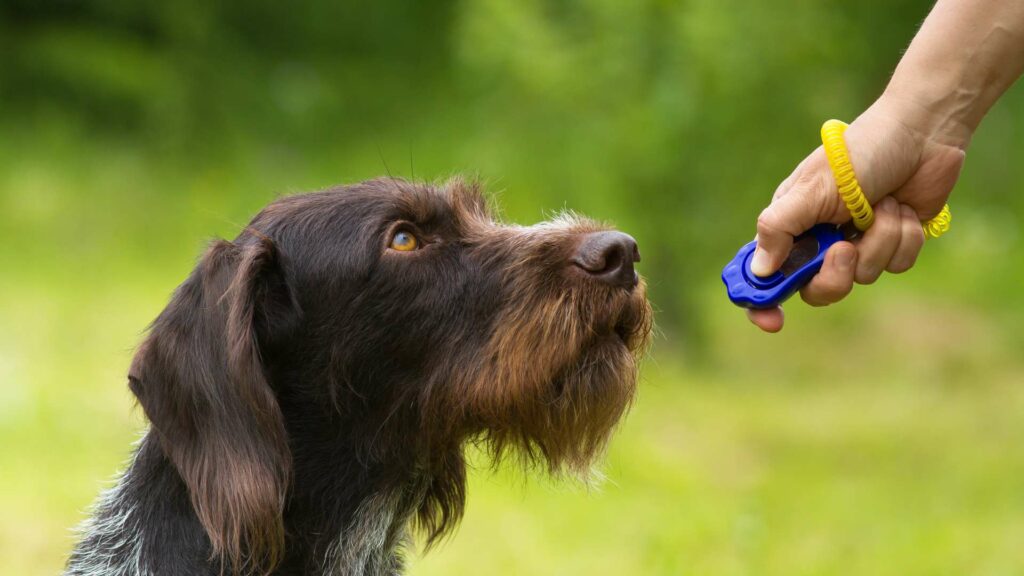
608 257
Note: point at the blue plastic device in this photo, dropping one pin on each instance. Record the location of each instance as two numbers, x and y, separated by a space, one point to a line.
750 291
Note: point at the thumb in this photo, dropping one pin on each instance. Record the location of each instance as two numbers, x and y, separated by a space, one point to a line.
789 215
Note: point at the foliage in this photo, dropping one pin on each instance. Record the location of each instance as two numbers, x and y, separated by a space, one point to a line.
873 438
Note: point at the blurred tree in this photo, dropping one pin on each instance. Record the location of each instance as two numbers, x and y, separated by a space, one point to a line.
674 119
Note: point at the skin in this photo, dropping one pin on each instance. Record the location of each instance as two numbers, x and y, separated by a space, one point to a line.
906 149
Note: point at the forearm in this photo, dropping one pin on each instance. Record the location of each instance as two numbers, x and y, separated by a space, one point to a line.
967 53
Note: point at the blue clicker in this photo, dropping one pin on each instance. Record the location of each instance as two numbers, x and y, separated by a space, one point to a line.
750 291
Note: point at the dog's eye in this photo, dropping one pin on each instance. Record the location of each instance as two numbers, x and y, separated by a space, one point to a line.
404 241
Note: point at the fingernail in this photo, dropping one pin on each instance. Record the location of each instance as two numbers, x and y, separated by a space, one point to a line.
844 260
760 264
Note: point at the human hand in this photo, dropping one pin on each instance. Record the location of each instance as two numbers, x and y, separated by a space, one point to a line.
906 169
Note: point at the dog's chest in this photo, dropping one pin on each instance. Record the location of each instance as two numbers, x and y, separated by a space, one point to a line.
374 542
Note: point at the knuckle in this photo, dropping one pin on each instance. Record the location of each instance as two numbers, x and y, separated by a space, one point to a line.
766 222
900 265
823 186
840 290
813 188
904 261
818 299
916 237
888 222
811 298
826 291
867 275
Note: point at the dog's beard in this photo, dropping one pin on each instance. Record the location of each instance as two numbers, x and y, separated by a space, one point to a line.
557 377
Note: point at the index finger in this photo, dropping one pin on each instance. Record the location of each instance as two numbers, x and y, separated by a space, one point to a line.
770 320
788 216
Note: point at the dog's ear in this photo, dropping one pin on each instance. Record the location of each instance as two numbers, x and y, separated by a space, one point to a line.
200 378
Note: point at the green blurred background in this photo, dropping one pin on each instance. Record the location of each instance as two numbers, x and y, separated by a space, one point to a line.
878 437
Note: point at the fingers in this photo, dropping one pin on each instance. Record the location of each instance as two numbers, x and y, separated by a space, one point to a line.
878 245
806 197
789 215
835 280
911 241
767 320
800 172
830 285
891 244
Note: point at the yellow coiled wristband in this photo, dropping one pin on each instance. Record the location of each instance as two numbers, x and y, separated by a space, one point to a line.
850 190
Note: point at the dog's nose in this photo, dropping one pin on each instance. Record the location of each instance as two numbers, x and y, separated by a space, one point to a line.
608 257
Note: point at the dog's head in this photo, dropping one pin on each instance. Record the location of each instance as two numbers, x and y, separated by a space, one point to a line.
403 316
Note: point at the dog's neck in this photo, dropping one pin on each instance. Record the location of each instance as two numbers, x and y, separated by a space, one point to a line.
337 521
346 514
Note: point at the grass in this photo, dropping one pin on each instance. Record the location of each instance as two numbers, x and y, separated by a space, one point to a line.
877 472
898 457
877 437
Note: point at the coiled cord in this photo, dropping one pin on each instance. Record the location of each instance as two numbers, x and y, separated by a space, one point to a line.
850 190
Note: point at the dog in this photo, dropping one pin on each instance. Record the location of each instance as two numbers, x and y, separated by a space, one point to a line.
311 386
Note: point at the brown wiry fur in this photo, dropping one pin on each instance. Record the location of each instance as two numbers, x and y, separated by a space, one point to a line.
526 390
304 370
214 412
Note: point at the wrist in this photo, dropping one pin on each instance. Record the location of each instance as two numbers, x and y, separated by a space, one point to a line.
936 119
